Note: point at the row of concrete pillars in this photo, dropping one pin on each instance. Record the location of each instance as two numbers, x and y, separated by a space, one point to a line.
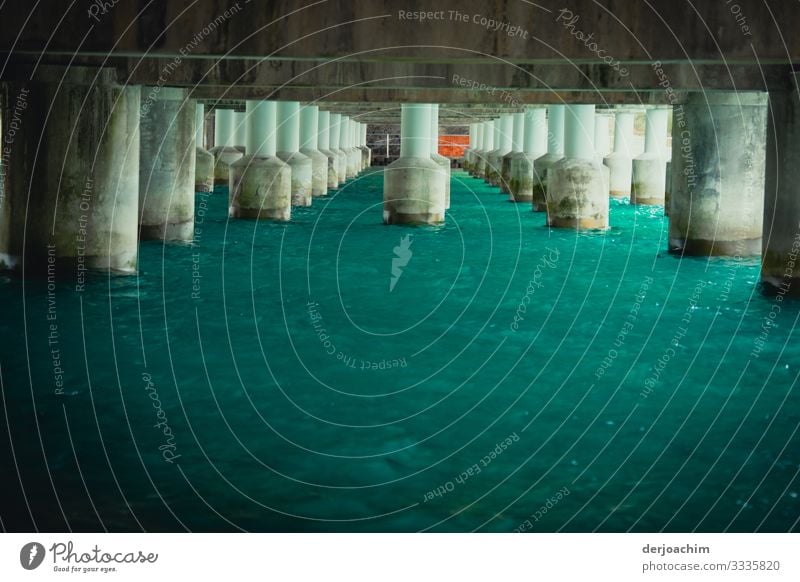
90 168
729 187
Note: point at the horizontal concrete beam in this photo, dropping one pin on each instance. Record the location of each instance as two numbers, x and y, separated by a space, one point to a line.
489 78
433 95
545 31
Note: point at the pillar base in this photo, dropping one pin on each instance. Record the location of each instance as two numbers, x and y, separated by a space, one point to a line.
541 167
203 171
341 166
648 180
413 192
183 231
576 195
319 171
505 172
223 157
520 187
444 164
668 188
353 162
366 157
493 167
301 168
620 173
332 176
260 188
716 248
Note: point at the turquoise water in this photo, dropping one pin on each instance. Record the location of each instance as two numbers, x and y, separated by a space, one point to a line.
513 377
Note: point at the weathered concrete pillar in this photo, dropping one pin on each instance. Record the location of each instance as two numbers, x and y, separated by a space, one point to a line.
467 160
336 142
324 143
366 153
488 147
166 165
356 141
780 267
289 151
413 186
239 131
203 159
502 136
72 183
601 144
718 174
347 146
649 170
576 197
620 161
309 132
440 160
223 151
555 151
534 145
517 138
478 151
261 184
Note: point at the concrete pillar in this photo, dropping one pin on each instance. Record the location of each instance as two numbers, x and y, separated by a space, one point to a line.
555 151
466 163
309 139
575 184
517 137
601 144
477 152
718 170
324 144
620 162
413 186
203 159
440 160
166 166
239 131
366 153
780 268
341 156
347 146
72 184
223 151
488 146
261 183
502 135
534 145
649 170
288 144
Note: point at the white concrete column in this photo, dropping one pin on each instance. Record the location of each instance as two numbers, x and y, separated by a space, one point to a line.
555 152
260 183
619 162
649 175
346 144
336 147
601 145
477 152
577 195
414 188
324 144
442 161
533 145
717 203
167 166
470 148
223 151
82 191
517 138
203 159
239 130
309 140
503 130
366 151
289 151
